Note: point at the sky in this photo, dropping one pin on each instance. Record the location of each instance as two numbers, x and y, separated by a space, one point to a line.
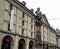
50 8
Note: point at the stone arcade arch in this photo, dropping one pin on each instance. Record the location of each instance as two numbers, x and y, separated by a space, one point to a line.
21 44
31 45
6 42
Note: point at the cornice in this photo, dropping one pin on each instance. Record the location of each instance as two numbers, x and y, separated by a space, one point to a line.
23 6
15 34
48 27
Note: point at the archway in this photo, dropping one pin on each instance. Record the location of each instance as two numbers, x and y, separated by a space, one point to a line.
31 45
21 44
6 42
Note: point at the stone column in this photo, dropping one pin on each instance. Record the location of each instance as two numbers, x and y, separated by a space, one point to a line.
27 43
16 41
0 39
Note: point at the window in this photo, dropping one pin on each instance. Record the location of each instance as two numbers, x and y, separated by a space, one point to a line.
31 34
8 26
31 20
22 23
22 31
38 37
23 15
6 42
31 27
11 7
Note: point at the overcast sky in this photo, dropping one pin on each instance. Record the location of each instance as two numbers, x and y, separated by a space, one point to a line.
50 8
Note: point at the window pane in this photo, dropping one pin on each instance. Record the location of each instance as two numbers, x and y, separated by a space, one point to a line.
31 34
23 15
22 23
31 27
23 31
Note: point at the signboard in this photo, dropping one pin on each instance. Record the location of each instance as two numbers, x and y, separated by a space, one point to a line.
11 19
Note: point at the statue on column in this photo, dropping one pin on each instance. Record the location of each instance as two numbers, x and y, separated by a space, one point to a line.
38 13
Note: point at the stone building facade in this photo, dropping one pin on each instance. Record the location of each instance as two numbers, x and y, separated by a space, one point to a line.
58 37
16 25
20 28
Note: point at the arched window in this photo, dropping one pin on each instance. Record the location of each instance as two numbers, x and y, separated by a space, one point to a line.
31 45
6 42
21 44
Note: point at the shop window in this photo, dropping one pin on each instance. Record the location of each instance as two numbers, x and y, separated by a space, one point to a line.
21 44
6 42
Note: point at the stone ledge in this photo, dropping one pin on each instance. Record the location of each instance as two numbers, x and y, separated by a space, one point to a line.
15 34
